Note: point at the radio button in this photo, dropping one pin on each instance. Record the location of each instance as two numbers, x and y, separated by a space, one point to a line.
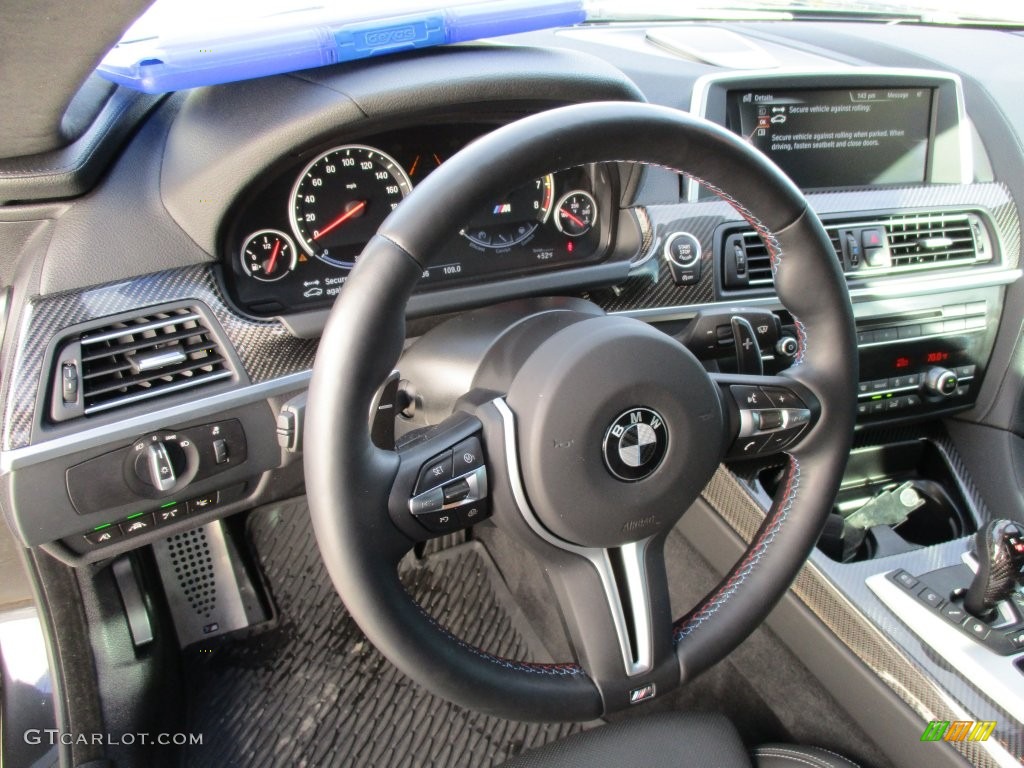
887 334
909 331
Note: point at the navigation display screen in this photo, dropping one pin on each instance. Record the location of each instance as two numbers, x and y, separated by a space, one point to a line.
838 138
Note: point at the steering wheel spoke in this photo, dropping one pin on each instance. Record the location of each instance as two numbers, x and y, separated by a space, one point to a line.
441 485
766 414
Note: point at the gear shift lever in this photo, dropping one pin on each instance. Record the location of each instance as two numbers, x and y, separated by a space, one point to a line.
999 546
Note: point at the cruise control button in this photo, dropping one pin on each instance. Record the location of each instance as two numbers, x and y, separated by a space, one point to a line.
428 502
467 456
474 513
435 472
798 417
782 398
441 522
455 492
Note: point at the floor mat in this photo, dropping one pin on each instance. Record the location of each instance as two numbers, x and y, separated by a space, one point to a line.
312 691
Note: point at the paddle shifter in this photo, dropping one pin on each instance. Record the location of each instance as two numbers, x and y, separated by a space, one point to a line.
999 546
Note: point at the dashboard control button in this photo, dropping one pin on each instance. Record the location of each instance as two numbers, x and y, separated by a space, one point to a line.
879 385
965 371
956 324
138 525
203 503
474 513
940 381
933 328
866 337
872 237
887 334
955 613
110 533
435 472
69 382
682 249
909 331
863 387
931 597
168 515
905 580
876 407
977 628
220 452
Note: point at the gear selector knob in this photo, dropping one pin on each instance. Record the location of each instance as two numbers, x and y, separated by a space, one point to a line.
999 546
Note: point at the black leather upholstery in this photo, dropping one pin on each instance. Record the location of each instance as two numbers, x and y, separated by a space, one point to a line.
790 756
668 740
672 740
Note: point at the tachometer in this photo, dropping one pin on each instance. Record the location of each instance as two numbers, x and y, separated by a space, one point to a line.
341 198
514 218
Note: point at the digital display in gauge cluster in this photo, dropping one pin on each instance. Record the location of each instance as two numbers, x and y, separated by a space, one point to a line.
293 241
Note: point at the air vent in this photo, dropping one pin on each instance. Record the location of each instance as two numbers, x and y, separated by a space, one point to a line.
136 359
887 245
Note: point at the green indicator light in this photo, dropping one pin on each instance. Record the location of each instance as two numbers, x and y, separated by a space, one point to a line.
168 504
137 514
876 397
101 527
889 395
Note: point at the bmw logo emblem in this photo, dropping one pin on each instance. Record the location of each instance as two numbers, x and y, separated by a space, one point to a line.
635 444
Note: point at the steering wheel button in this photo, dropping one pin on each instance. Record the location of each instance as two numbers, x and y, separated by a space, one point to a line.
442 522
467 456
474 513
782 398
427 503
455 492
749 446
750 398
436 472
769 419
778 441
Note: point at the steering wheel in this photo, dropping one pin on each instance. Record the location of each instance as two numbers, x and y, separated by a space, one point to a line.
585 436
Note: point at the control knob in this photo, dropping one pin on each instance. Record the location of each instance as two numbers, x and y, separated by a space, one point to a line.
940 381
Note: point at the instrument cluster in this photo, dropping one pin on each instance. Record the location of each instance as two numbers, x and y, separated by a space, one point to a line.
294 238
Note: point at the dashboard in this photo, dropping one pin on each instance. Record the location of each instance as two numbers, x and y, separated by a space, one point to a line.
181 299
292 240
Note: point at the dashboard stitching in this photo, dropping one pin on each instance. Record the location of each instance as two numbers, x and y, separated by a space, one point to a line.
559 670
692 621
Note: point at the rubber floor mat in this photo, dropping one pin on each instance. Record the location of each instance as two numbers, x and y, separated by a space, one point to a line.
312 691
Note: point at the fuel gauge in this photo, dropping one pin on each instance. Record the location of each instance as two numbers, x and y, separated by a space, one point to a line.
268 255
575 213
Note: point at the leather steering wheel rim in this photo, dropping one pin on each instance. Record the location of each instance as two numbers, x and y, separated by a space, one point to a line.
349 479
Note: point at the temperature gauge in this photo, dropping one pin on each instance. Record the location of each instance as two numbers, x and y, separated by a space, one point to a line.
268 255
575 213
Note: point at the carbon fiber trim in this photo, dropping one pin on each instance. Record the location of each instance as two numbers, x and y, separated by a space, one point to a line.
837 594
650 286
266 349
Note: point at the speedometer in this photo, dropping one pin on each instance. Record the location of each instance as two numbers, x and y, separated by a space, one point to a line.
341 198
